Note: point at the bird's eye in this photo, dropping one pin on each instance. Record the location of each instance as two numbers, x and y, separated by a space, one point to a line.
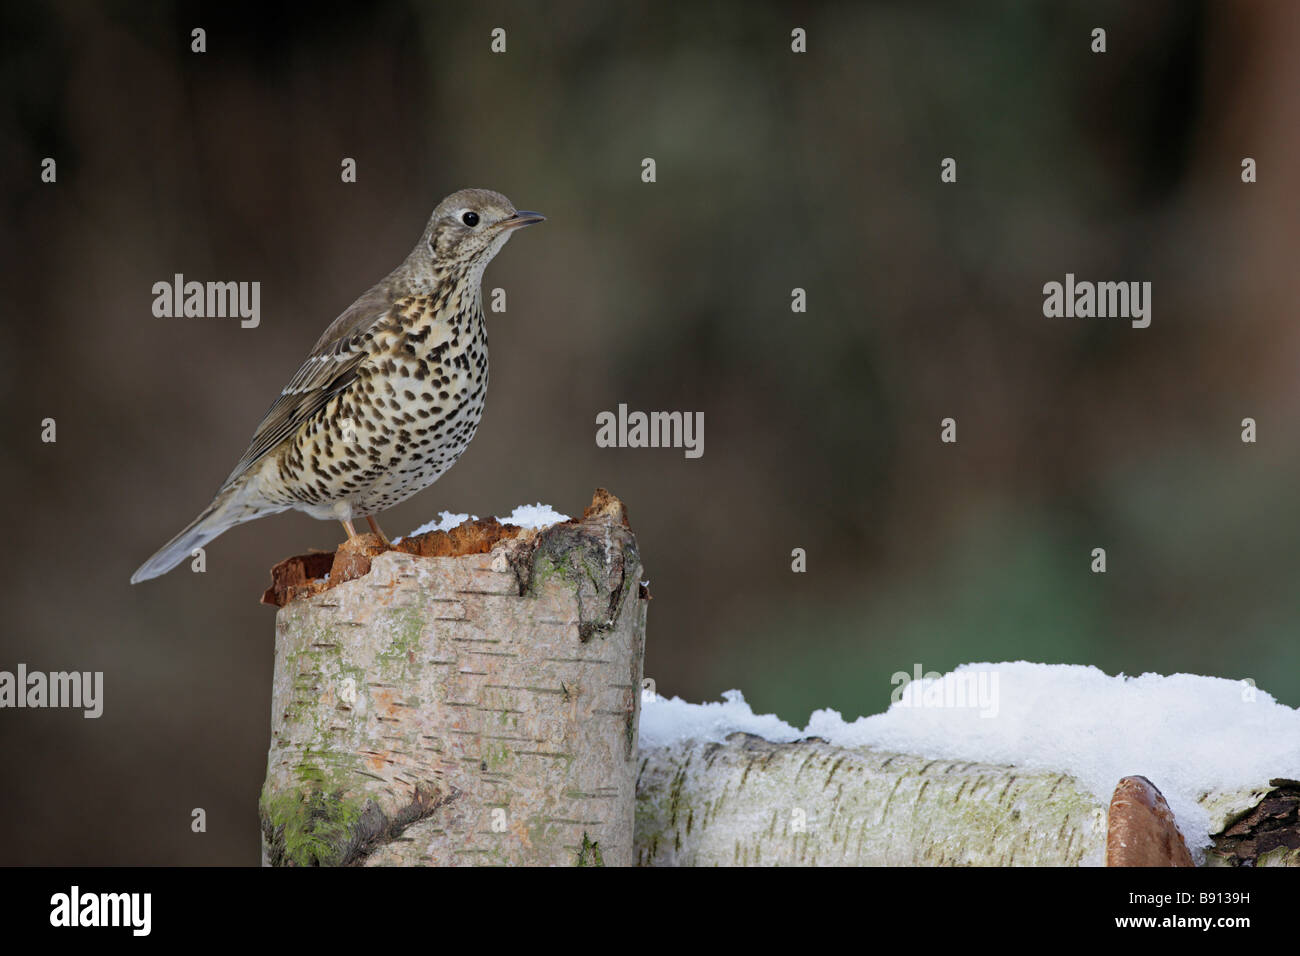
470 219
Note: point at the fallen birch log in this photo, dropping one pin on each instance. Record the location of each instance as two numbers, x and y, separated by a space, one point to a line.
753 802
991 764
749 801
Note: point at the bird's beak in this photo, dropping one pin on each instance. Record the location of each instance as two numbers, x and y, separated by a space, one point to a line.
522 217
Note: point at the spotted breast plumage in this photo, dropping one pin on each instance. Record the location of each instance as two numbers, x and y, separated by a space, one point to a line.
389 397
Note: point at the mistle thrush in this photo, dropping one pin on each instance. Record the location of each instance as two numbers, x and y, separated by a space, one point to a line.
389 397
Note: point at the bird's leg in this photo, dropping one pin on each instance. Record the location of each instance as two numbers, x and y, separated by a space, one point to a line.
347 526
374 526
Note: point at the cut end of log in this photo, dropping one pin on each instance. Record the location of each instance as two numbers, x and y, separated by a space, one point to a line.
1142 830
305 575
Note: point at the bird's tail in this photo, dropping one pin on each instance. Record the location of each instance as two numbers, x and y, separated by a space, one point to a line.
228 509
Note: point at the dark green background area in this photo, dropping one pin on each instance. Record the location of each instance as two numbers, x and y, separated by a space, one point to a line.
775 171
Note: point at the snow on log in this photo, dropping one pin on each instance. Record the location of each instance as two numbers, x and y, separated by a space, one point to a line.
992 764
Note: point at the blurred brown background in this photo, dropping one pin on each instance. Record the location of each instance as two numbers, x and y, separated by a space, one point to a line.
775 170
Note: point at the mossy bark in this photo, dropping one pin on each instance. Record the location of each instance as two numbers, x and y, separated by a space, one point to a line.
477 709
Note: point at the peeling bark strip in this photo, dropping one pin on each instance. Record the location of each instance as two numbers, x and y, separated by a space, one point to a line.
320 823
474 708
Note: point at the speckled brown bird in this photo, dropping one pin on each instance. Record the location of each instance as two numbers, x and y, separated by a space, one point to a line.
389 397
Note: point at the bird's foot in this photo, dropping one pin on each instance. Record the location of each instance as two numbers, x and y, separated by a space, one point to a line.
374 526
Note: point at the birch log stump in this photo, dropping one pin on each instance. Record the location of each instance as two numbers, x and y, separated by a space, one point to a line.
471 698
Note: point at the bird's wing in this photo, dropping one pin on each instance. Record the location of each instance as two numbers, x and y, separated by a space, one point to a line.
331 367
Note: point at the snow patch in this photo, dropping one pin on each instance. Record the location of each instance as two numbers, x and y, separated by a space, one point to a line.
534 516
524 516
445 522
665 722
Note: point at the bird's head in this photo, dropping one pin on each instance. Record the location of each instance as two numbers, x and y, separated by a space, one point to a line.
469 227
